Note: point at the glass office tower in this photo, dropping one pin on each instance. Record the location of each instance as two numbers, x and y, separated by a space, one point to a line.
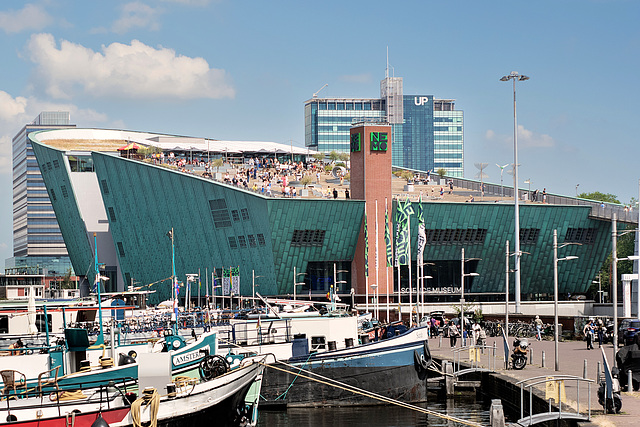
37 240
427 132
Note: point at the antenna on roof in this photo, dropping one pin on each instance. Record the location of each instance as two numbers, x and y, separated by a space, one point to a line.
315 95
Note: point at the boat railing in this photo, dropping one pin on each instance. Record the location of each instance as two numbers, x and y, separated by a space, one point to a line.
257 332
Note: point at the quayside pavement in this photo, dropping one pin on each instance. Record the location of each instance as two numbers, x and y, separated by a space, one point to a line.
572 355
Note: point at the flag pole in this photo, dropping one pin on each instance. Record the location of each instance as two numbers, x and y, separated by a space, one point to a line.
386 264
366 261
377 282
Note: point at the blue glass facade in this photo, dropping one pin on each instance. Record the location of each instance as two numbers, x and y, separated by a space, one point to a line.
427 132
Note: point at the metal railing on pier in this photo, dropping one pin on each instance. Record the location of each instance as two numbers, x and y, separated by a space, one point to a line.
554 390
481 358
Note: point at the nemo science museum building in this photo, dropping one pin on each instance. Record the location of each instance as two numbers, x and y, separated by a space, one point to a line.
304 245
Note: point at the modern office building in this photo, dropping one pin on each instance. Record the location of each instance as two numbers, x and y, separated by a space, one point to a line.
427 132
311 244
37 240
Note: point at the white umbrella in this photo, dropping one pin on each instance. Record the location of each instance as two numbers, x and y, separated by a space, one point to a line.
31 312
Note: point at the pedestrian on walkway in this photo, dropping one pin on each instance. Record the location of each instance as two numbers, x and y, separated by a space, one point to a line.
453 333
538 328
588 334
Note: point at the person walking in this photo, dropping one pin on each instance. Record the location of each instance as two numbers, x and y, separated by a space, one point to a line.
539 325
335 193
453 333
588 333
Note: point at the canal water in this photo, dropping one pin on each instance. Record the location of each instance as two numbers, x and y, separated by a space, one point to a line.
379 416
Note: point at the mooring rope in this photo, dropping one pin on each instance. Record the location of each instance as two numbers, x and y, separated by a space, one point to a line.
340 385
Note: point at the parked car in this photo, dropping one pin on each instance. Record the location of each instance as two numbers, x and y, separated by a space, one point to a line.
629 335
624 324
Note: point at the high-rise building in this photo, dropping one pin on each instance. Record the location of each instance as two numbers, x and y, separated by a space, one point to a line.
427 132
37 240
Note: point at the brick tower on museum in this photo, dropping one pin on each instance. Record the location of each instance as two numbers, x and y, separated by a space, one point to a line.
371 182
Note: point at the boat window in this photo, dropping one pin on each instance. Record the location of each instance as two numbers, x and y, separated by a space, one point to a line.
40 322
4 324
318 343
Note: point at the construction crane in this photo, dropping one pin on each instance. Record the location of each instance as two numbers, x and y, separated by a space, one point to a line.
315 95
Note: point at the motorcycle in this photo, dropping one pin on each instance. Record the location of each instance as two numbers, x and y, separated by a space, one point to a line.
614 404
519 355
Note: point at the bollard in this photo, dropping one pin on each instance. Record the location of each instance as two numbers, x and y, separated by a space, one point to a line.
496 414
544 361
629 381
584 370
598 371
440 341
531 357
449 385
494 349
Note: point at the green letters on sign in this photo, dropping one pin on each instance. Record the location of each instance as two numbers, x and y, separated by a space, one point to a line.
356 144
379 141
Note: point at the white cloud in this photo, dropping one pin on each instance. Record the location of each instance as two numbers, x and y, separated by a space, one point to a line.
30 17
526 138
19 111
125 71
137 15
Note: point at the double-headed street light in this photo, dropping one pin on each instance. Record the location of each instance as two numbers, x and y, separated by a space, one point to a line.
515 76
555 289
462 261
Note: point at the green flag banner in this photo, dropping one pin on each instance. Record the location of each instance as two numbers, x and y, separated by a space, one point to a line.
387 237
366 245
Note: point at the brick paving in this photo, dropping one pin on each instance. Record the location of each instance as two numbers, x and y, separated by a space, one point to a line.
572 355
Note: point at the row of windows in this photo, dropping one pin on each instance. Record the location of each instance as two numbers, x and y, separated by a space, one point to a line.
448 119
250 240
337 117
580 235
459 235
447 147
349 105
447 137
447 128
308 238
334 128
529 235
447 165
445 155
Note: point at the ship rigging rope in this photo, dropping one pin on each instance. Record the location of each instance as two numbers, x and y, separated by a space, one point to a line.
337 384
151 398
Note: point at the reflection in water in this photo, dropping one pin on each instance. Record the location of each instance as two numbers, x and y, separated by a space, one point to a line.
378 416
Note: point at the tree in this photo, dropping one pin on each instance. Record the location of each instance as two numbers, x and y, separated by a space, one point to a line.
334 155
67 283
600 197
344 156
442 172
408 176
306 180
319 156
216 163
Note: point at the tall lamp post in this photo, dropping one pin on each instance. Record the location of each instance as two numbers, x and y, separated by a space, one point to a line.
555 290
515 76
295 281
334 285
462 261
501 186
375 292
253 287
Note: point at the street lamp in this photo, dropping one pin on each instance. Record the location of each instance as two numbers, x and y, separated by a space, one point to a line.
334 285
528 181
295 281
614 277
253 286
462 260
501 186
421 278
375 292
577 185
600 293
516 77
555 290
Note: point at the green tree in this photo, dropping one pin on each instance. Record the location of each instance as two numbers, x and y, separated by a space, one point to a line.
334 155
67 283
600 197
306 180
216 163
344 156
442 172
406 175
319 156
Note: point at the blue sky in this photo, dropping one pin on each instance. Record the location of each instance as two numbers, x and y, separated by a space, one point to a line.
242 71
